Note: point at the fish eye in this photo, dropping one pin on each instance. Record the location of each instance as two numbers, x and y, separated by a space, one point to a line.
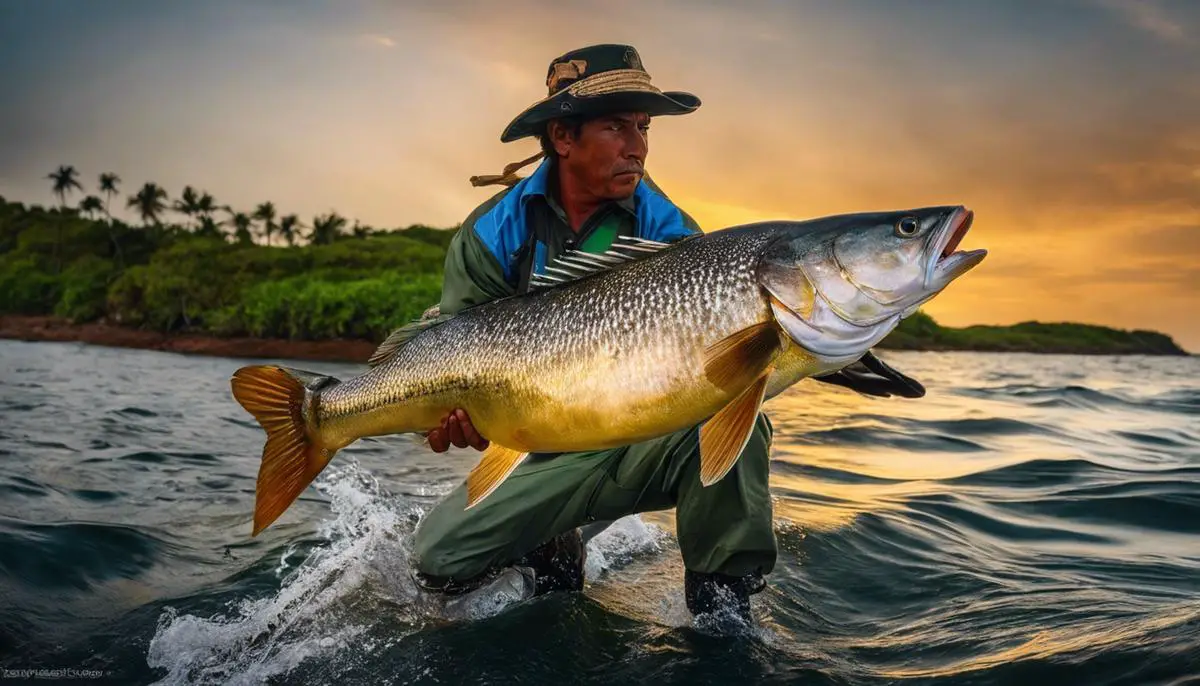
907 227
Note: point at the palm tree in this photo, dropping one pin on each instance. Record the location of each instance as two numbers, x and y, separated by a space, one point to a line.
188 204
149 202
91 205
325 229
210 227
108 186
265 213
241 228
205 206
289 227
65 179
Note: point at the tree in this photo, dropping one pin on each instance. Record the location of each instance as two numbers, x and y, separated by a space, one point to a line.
205 206
65 180
326 228
188 204
265 213
210 227
289 227
241 227
108 186
150 202
91 205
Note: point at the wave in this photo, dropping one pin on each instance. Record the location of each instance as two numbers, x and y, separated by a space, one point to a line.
75 555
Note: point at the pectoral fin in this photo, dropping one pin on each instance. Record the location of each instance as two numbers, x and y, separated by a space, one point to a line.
494 467
736 359
723 437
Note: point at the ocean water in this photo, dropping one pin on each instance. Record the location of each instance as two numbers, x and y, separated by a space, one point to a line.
1034 519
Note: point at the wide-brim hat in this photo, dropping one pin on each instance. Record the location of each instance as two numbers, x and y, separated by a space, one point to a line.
594 80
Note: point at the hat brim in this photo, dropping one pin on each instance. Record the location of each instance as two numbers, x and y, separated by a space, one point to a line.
528 123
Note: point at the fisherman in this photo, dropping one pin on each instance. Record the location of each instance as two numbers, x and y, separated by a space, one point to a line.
590 188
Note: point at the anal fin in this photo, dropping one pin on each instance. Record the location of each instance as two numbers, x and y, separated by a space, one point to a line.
727 432
494 467
736 359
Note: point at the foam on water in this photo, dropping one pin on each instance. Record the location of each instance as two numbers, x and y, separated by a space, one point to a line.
309 616
327 605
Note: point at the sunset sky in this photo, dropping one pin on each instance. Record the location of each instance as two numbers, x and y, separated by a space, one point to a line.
1071 127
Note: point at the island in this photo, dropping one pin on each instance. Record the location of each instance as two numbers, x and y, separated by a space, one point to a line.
254 283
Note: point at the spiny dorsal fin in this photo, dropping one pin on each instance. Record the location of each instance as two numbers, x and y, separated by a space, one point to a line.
576 264
404 334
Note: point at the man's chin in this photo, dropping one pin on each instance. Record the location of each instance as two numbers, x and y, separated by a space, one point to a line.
624 185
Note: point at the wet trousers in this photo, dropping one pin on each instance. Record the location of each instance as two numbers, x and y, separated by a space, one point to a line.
724 528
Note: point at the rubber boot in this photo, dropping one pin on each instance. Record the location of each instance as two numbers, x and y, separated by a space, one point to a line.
719 594
558 563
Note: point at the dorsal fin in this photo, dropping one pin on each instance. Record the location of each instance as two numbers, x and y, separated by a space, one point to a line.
575 264
396 339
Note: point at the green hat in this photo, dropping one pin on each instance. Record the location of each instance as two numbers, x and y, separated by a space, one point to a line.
596 80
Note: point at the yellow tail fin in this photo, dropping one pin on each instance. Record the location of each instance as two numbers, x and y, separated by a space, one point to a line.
291 459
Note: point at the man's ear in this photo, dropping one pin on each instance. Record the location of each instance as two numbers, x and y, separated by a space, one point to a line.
560 137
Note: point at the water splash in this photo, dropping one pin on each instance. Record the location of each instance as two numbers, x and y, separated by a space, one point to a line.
313 614
327 608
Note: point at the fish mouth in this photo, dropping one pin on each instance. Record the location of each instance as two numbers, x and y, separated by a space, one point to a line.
949 263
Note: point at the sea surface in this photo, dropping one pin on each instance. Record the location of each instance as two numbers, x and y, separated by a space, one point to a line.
1034 519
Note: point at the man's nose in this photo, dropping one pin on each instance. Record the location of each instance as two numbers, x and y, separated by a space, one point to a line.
637 145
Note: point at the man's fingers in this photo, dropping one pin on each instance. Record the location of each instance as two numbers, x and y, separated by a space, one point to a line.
456 432
470 433
437 441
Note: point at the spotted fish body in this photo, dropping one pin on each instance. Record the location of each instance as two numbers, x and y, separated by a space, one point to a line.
614 358
655 340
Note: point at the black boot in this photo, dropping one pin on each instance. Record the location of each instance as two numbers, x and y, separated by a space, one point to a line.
558 563
715 594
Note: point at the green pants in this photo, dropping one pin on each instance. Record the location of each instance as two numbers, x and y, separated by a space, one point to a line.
725 527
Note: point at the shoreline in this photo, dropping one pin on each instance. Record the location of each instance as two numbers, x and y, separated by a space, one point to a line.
56 329
35 328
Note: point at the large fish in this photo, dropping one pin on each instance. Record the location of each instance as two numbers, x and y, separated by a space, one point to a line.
613 349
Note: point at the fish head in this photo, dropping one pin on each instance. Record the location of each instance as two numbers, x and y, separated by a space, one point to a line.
840 284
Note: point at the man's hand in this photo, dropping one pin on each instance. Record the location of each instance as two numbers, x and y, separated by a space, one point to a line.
456 429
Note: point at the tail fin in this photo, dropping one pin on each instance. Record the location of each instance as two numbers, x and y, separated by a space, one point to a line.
291 458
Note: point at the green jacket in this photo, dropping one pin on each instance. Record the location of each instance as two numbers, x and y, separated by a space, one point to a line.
519 230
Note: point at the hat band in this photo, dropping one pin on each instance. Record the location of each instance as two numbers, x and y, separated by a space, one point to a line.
613 81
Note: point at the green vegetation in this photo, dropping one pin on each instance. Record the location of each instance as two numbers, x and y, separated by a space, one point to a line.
921 332
257 273
219 271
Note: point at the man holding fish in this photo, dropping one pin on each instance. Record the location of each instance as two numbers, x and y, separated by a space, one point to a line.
590 189
609 358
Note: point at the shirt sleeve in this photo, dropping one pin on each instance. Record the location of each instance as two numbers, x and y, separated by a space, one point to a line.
472 276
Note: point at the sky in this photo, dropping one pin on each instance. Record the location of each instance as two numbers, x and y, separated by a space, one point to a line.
1071 127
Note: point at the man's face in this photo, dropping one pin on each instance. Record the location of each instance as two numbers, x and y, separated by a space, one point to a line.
609 154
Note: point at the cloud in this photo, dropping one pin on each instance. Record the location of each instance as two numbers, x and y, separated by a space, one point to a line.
378 40
1148 16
